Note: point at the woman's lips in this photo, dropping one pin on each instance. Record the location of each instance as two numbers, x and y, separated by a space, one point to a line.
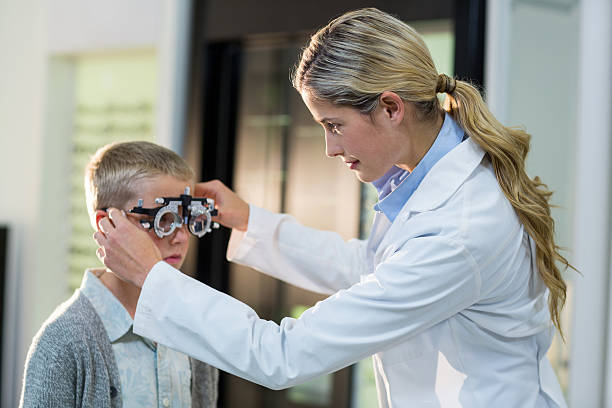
352 164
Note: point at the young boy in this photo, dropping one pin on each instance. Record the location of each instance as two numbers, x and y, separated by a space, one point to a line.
86 354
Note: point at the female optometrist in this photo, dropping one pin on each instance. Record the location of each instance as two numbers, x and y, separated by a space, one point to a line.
456 292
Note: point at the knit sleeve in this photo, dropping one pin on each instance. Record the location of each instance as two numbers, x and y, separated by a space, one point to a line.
204 384
51 373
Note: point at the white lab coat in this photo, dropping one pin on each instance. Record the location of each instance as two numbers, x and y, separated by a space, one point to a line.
447 298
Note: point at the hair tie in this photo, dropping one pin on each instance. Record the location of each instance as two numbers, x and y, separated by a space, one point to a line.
445 84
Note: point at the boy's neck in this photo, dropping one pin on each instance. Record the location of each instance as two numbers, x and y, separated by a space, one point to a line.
124 291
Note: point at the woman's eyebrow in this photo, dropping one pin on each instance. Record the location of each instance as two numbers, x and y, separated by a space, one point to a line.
323 120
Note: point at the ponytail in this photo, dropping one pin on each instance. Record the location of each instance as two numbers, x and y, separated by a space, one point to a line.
507 149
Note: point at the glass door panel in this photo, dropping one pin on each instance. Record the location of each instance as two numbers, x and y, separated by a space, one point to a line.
281 166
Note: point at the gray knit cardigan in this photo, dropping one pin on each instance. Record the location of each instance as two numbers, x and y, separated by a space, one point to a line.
71 364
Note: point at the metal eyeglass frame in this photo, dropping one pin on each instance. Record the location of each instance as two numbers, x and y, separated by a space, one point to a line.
192 208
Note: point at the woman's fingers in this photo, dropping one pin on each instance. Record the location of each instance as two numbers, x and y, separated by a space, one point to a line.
105 225
100 239
117 218
125 249
233 212
209 189
100 254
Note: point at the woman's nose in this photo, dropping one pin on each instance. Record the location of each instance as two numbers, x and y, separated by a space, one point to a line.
332 147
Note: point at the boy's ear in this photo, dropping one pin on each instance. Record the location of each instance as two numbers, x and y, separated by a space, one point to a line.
99 215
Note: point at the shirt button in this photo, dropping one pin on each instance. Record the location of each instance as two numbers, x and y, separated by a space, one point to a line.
166 402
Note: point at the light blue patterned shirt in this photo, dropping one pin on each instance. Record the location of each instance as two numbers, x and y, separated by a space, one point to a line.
152 375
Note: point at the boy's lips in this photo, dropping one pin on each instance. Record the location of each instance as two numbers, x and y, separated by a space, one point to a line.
173 259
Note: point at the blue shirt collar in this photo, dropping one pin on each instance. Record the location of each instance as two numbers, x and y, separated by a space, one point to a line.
397 185
116 319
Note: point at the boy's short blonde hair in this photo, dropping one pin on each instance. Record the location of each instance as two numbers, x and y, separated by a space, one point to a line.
113 171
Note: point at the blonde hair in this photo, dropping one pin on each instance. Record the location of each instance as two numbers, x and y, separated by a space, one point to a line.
114 170
363 53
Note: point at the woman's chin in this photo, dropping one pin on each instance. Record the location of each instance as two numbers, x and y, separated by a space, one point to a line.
366 178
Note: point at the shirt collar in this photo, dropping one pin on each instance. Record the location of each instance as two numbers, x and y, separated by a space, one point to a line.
116 319
397 185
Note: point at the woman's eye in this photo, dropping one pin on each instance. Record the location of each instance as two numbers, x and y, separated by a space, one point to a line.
332 127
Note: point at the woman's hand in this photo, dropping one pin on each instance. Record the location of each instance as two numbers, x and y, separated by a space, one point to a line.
233 211
125 249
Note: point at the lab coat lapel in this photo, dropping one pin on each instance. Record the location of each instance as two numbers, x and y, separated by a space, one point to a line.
444 178
379 230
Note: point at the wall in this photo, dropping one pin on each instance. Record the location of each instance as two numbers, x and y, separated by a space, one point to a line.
590 362
547 69
542 88
21 114
37 40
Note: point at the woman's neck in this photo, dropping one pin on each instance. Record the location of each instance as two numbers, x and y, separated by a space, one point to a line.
422 135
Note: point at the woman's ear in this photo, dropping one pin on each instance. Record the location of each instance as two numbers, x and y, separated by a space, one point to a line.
99 215
392 106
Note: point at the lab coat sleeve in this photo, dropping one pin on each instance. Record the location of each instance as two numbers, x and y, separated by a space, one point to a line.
423 283
279 246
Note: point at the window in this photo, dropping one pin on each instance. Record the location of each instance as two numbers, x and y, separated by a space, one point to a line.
114 101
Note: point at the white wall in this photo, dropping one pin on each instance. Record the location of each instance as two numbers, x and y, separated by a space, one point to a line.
590 378
531 81
548 68
35 102
21 113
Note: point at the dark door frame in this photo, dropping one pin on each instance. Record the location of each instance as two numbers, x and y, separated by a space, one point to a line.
4 241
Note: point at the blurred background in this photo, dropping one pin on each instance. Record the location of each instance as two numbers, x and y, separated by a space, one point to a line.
210 79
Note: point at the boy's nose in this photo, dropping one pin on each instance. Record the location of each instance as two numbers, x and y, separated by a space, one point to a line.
180 234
